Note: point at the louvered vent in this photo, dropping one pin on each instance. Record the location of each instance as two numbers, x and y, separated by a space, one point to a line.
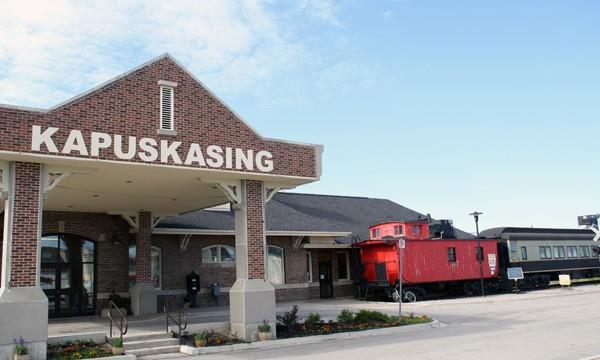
167 110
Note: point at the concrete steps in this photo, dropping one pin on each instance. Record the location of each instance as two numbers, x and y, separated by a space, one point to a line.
149 346
163 356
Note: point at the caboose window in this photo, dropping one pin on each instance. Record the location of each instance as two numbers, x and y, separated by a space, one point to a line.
375 233
523 253
559 252
451 254
398 230
416 229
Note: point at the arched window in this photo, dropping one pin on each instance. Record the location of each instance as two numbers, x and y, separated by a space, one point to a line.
218 254
156 266
275 265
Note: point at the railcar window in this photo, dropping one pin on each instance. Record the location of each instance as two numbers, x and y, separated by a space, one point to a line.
595 251
545 252
398 230
584 251
513 246
559 252
523 253
451 254
572 251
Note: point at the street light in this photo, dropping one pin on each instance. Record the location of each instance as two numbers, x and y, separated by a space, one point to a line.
475 215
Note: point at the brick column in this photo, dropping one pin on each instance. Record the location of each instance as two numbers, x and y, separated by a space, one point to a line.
143 248
256 232
23 304
22 226
252 297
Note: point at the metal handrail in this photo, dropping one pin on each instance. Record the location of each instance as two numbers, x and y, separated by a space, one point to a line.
180 326
122 325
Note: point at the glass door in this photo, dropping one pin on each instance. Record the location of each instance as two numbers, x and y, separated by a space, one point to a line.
67 274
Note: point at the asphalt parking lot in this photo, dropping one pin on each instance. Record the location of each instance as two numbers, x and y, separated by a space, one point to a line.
546 324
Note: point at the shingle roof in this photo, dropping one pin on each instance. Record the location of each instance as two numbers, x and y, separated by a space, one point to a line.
308 212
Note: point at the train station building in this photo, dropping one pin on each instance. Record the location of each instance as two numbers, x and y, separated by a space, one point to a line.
84 184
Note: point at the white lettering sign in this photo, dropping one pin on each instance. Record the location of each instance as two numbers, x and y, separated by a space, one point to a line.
150 150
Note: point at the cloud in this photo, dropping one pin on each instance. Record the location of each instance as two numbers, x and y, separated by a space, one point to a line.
51 50
388 14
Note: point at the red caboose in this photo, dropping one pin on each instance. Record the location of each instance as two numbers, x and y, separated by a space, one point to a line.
429 265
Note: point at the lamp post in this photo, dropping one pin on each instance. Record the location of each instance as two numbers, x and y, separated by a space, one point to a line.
475 215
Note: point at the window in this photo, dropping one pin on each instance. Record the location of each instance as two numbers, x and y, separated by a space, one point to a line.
451 254
559 252
584 251
375 233
218 254
416 230
479 255
572 251
155 266
545 252
513 246
523 253
595 251
342 264
398 230
275 265
167 108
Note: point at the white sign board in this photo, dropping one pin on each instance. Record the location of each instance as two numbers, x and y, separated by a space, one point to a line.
401 243
564 280
515 273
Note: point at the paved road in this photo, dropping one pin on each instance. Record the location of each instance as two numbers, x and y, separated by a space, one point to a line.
549 324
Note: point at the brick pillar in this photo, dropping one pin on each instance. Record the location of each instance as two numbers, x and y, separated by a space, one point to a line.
143 245
23 304
255 223
143 294
22 226
252 297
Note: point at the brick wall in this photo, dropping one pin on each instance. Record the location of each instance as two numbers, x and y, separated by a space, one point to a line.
111 236
256 239
131 107
23 270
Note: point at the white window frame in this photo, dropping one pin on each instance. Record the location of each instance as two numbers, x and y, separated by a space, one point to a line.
282 263
219 260
310 268
346 255
172 89
557 252
398 230
375 233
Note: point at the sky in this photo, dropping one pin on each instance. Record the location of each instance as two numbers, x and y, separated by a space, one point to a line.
445 107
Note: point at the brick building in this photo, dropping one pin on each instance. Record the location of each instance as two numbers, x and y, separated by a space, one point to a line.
81 181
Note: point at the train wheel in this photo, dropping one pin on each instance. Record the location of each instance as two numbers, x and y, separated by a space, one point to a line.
410 296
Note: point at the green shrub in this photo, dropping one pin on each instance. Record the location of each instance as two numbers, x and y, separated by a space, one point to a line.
366 316
346 317
118 343
312 320
200 337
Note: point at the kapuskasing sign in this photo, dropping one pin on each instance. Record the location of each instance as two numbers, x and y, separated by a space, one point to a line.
150 150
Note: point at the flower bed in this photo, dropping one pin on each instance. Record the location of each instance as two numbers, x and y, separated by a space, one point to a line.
78 350
210 339
289 325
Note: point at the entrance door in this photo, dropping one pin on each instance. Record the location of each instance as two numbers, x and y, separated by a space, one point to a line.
325 280
67 274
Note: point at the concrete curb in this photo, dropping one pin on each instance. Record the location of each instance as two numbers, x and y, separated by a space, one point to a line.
309 339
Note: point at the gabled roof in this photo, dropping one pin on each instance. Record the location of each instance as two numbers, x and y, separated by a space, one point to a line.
309 213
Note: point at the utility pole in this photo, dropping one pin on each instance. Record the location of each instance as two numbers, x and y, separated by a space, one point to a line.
475 215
